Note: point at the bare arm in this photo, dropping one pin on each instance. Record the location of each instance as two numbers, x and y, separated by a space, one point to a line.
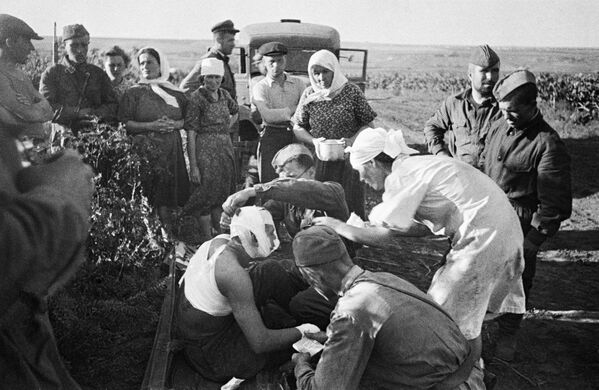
234 282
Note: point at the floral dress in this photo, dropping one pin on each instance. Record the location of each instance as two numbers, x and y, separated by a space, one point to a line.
167 183
339 117
210 120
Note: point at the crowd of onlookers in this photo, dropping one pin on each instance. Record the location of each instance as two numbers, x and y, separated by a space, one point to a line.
496 183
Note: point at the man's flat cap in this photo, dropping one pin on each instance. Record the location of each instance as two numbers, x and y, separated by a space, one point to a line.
272 49
511 82
74 31
317 245
226 26
483 56
288 153
11 26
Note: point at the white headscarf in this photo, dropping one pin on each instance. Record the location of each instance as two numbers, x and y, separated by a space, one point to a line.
371 142
253 220
326 59
212 66
161 82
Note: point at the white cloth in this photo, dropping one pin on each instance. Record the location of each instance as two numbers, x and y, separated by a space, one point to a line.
484 266
212 66
201 289
256 230
158 84
371 142
327 60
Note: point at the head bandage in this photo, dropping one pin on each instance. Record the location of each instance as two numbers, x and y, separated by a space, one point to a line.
371 142
249 222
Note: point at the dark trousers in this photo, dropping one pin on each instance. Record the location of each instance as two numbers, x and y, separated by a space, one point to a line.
272 140
216 346
509 323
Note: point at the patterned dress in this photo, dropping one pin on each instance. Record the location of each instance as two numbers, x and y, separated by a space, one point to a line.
340 117
210 119
168 183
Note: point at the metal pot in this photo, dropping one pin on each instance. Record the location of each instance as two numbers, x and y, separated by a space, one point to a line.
330 150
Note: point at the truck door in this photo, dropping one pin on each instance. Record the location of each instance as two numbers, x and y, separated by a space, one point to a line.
353 65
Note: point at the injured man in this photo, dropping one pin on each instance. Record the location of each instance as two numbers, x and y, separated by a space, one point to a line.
231 311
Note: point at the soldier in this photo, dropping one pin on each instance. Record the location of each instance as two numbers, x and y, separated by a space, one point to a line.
80 93
224 42
43 226
529 161
276 97
459 126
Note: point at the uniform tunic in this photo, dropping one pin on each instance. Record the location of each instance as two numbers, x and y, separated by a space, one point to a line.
380 337
460 127
339 117
483 267
62 85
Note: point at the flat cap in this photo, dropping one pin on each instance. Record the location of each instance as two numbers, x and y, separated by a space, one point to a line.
483 56
317 245
510 82
226 26
74 31
289 152
11 26
272 48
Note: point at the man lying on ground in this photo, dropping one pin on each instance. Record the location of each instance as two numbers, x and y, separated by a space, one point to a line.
221 298
384 332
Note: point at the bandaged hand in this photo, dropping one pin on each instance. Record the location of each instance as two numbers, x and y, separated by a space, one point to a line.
319 336
307 328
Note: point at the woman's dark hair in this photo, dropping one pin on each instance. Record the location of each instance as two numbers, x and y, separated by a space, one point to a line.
384 158
150 51
116 51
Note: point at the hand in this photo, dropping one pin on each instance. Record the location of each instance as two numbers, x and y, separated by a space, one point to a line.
225 222
328 221
299 357
236 201
67 174
23 99
321 336
307 328
195 176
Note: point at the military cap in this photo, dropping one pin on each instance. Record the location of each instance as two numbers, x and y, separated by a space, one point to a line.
317 245
226 26
272 49
511 82
11 26
74 31
483 56
289 152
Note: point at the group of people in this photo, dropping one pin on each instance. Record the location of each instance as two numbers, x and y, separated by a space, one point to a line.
497 184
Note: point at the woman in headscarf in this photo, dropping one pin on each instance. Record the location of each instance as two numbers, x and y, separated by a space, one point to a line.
152 112
483 267
333 108
211 159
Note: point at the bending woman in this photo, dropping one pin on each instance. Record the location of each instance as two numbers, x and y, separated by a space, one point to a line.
333 108
152 112
211 159
483 267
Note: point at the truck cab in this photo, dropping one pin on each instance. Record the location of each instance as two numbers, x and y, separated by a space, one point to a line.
302 40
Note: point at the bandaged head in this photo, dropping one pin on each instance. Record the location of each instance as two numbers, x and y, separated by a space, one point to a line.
256 231
212 66
371 142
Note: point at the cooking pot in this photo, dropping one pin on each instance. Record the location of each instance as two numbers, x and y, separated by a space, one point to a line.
330 149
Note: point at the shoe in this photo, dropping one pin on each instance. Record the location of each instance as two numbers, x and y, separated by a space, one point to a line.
505 349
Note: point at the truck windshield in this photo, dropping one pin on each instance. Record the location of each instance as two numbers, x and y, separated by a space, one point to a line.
297 60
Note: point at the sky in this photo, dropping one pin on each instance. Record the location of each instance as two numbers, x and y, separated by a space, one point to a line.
540 23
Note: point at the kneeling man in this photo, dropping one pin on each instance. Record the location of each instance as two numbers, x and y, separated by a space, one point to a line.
220 295
384 331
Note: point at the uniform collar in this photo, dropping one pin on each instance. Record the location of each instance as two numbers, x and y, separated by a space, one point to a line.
71 67
349 279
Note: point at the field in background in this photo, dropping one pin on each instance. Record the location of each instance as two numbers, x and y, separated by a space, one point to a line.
552 355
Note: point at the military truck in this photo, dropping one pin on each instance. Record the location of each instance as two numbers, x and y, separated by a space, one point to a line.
302 40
